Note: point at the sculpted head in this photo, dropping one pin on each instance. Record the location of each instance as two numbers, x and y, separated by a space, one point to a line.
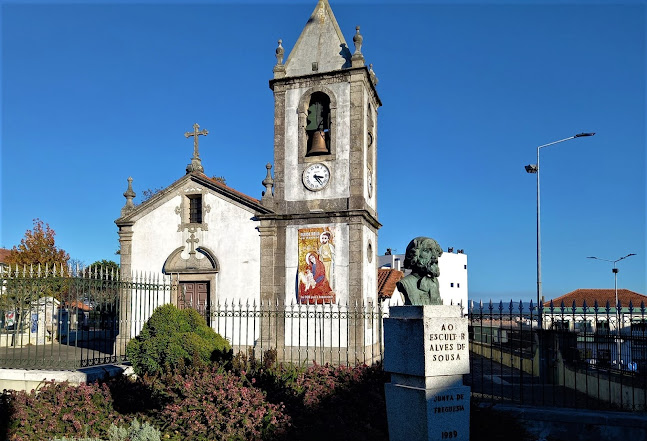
422 256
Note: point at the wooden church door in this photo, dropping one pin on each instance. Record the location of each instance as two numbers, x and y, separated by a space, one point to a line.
195 295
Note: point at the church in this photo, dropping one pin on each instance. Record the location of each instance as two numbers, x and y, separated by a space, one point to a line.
311 239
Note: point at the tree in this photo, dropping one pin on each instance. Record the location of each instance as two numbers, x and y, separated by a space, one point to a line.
20 291
104 267
38 247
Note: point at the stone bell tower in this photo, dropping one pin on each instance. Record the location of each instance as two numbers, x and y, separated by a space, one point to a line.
324 222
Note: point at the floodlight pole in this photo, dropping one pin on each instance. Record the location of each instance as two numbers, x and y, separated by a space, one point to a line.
534 168
615 284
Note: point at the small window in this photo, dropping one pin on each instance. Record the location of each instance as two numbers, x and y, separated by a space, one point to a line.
458 285
464 266
451 284
195 208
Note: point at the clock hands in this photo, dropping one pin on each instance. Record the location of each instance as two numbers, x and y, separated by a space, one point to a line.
318 178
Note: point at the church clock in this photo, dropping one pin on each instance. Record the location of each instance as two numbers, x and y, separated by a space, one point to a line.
316 177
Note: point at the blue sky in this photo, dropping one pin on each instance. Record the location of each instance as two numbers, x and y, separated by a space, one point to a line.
94 93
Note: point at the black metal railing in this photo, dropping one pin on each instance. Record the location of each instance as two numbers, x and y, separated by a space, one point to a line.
581 357
56 318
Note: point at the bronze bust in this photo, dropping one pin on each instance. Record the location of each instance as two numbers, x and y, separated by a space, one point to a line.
421 286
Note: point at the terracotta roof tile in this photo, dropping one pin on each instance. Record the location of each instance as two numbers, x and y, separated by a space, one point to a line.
386 280
220 184
601 295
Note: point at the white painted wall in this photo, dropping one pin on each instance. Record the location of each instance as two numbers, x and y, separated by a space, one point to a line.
339 185
232 237
370 275
452 281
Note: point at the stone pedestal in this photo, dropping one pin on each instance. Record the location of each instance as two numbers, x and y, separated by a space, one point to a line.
426 352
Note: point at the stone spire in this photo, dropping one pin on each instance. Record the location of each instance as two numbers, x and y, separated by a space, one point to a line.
196 163
318 46
129 194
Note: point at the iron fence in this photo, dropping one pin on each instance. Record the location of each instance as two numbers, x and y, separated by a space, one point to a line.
57 318
581 357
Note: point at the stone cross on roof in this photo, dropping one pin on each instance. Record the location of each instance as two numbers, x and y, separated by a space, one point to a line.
196 163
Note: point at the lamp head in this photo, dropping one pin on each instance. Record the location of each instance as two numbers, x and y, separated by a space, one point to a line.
532 168
579 135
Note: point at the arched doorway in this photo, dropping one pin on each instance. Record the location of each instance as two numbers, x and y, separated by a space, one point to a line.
195 280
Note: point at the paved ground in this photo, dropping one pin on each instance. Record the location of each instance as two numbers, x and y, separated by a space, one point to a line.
58 356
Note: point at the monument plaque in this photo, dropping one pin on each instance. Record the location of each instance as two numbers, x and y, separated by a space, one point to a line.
426 352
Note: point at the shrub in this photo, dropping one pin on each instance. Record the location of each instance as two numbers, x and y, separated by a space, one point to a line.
136 432
217 405
59 409
327 402
175 337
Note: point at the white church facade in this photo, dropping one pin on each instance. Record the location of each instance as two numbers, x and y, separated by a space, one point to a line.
311 239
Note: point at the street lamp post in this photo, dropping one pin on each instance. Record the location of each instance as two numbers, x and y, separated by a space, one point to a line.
615 284
534 168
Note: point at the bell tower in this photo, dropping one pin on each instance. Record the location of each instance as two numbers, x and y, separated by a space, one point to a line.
319 244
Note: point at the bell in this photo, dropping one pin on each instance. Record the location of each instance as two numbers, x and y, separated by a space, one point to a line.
318 144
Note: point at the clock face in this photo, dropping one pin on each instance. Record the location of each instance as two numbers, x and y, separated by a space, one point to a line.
316 177
369 180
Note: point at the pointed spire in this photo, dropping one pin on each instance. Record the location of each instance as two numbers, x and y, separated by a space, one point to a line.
129 194
318 46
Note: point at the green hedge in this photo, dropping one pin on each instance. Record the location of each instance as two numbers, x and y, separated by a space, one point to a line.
175 337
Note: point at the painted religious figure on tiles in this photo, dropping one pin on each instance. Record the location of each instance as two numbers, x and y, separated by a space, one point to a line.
316 266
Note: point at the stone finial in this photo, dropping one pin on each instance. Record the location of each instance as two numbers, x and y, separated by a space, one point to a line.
129 194
268 183
279 54
357 60
357 39
372 74
279 67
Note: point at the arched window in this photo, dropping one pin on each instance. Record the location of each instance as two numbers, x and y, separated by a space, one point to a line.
318 125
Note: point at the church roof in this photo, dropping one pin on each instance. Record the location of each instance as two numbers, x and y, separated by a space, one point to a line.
386 280
235 196
320 42
601 295
230 190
